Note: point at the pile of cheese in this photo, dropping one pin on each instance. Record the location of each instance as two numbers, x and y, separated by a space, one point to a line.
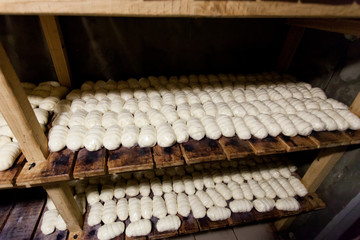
214 190
43 99
163 111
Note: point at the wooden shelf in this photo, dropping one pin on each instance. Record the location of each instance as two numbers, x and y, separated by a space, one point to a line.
177 8
191 225
67 165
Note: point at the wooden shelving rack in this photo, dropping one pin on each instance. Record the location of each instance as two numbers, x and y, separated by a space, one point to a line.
51 170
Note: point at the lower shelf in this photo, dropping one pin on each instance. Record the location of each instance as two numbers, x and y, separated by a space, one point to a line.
67 165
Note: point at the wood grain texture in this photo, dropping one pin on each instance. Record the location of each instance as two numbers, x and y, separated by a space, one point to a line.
57 168
7 178
188 225
130 159
89 164
155 234
330 139
297 143
269 145
355 105
290 45
167 157
63 199
235 148
6 205
205 224
205 150
55 42
23 219
178 8
343 26
321 167
354 135
18 113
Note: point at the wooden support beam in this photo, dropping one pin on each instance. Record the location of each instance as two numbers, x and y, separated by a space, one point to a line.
355 106
344 26
18 113
288 51
54 39
65 203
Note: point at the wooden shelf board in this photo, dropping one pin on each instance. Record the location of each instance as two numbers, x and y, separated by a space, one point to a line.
205 150
297 143
7 178
89 164
179 8
235 148
130 159
155 234
354 136
330 139
167 157
268 145
58 167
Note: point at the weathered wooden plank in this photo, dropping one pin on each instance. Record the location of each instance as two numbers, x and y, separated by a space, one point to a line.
330 139
188 225
288 51
57 168
205 150
18 113
23 219
235 148
130 159
205 224
354 136
155 234
181 8
343 26
297 143
55 42
7 178
6 205
63 199
89 164
269 145
167 157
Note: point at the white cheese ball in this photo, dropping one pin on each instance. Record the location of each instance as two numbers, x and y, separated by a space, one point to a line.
210 108
138 228
109 212
288 128
130 136
110 231
147 136
195 129
146 207
168 223
216 197
256 128
95 214
205 198
170 202
109 119
8 154
107 192
212 129
122 209
93 140
287 204
316 123
330 123
352 119
144 187
141 119
159 207
125 118
165 135
41 115
180 130
134 209
49 221
57 138
240 205
112 137
62 118
77 118
197 208
298 187
183 205
216 213
264 204
273 128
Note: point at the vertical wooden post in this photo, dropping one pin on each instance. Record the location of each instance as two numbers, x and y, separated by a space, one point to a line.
19 114
54 39
292 41
65 203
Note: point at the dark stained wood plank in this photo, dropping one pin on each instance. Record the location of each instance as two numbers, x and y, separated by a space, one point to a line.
206 224
235 148
188 225
167 157
354 136
89 164
57 168
205 150
330 139
7 178
297 143
130 159
155 234
23 219
269 145
6 205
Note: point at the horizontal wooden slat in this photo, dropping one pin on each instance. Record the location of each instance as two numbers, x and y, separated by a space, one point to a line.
89 164
297 143
130 159
7 178
235 148
155 234
167 157
354 136
205 150
188 225
269 145
57 168
178 8
205 224
330 139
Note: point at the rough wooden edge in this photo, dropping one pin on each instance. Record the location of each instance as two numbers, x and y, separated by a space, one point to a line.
176 8
18 113
344 26
54 39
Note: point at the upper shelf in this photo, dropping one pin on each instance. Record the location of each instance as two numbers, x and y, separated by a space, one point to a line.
182 8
